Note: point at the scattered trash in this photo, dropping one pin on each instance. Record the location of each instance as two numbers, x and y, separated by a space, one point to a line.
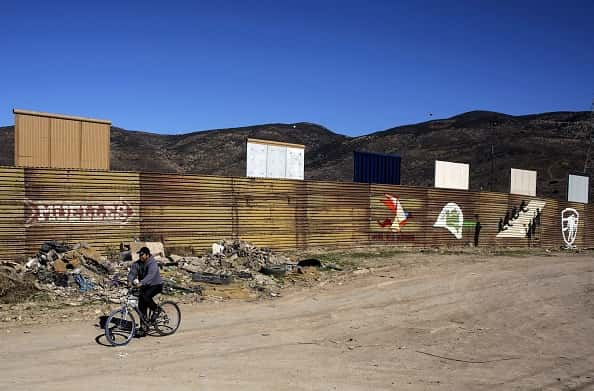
217 248
69 271
211 278
84 284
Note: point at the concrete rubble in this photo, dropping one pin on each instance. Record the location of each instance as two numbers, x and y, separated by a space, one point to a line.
81 272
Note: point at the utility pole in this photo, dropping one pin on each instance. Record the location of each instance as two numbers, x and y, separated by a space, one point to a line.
591 135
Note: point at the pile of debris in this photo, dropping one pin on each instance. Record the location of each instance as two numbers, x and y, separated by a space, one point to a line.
15 284
230 259
80 270
61 264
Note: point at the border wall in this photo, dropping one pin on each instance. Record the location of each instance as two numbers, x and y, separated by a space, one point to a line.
107 208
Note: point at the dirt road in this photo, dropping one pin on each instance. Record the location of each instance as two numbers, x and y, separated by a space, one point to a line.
411 322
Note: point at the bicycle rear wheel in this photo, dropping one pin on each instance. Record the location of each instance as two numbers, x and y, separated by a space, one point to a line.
169 319
120 327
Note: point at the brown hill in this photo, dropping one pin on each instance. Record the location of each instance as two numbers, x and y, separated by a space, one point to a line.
554 144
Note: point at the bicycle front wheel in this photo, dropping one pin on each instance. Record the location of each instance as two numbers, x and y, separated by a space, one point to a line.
169 319
120 327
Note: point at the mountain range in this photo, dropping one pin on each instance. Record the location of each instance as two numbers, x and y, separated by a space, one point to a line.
554 144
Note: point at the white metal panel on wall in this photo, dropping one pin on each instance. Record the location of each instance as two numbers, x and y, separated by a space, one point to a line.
295 163
523 182
256 160
272 159
276 162
450 175
577 189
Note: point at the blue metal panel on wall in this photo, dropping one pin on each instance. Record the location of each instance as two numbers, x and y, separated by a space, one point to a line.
376 168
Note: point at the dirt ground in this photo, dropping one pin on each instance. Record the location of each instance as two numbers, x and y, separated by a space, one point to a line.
400 321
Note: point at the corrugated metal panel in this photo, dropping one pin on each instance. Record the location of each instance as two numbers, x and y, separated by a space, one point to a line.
183 210
588 226
105 208
50 140
549 230
492 207
32 145
376 168
398 215
337 214
60 116
267 211
100 208
12 230
94 146
65 143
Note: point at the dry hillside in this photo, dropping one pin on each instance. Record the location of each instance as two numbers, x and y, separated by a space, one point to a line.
554 144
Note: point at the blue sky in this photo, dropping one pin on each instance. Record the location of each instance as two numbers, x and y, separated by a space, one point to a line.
355 67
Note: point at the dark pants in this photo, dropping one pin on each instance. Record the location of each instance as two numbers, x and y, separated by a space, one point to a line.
145 300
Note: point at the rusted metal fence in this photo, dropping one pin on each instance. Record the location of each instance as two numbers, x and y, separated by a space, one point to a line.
107 208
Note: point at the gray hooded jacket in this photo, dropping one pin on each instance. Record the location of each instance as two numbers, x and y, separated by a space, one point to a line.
148 273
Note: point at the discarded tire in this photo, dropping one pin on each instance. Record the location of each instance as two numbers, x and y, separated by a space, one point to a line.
274 270
244 275
211 278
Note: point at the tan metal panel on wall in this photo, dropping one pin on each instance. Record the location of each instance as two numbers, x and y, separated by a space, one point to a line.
548 231
492 208
32 146
65 143
94 146
12 230
588 225
337 214
186 210
267 211
59 141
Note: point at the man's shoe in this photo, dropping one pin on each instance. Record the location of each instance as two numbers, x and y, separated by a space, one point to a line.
140 333
155 315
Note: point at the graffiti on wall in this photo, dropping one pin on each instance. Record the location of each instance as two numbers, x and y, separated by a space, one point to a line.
569 226
400 217
391 227
391 237
77 212
452 219
522 221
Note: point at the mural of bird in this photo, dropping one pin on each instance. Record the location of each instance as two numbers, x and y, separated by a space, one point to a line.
400 216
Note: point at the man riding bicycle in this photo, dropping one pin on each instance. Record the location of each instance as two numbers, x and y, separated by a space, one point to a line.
145 274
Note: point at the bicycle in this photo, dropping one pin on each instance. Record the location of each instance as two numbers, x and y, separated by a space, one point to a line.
120 326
